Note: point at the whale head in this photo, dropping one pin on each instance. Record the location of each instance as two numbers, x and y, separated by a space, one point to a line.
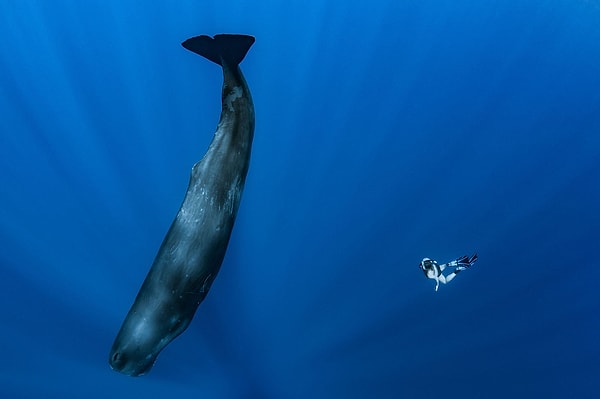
142 337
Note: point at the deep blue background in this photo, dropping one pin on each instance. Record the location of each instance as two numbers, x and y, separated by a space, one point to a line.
386 131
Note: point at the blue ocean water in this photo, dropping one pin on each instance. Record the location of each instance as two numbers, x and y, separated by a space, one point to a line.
386 132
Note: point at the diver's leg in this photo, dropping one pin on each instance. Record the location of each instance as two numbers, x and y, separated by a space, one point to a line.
461 263
446 279
451 276
465 261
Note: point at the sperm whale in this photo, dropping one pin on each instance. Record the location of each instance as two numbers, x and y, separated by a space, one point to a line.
191 253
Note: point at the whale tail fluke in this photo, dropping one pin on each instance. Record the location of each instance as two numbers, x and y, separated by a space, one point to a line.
229 49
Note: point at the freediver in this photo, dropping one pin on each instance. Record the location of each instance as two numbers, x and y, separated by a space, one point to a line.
433 270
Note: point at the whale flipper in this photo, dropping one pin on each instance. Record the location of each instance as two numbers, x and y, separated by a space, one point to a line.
230 49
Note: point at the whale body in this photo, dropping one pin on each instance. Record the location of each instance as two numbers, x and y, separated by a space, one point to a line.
191 253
